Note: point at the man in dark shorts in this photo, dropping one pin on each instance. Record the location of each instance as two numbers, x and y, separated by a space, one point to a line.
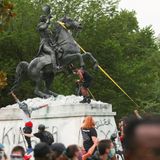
84 82
42 134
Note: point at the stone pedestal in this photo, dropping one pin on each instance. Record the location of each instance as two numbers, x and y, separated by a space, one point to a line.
63 119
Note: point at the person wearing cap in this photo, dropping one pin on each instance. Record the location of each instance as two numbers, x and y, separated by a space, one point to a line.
42 134
27 119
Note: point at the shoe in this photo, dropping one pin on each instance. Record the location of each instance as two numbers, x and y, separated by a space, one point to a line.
84 100
29 150
88 100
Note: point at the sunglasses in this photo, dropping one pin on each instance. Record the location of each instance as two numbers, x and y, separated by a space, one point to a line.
16 156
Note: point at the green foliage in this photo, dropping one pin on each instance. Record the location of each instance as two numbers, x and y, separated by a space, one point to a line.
6 13
129 54
3 79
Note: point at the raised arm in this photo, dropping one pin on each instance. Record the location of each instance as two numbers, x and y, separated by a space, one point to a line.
94 139
15 97
28 135
80 75
137 114
39 107
91 150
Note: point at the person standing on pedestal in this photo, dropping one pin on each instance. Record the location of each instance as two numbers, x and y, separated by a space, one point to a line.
84 82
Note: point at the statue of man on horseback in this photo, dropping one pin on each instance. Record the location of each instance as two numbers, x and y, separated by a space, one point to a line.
47 39
56 49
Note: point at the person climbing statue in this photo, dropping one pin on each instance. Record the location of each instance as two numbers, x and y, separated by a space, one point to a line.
27 119
84 83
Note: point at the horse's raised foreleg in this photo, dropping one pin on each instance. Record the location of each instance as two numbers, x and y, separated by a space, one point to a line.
89 55
70 57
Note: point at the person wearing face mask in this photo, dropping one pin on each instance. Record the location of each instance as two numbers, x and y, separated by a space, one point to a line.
112 153
18 153
117 150
105 151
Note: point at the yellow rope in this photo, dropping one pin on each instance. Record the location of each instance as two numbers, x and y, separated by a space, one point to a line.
62 24
103 71
91 94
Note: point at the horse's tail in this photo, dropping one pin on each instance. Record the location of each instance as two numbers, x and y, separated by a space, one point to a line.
21 71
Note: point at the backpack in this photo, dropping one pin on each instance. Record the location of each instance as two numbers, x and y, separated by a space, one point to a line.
48 137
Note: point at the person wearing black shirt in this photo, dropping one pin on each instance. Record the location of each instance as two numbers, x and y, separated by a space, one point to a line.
43 135
84 82
89 133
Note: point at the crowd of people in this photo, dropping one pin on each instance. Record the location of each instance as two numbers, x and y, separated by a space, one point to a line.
140 137
47 149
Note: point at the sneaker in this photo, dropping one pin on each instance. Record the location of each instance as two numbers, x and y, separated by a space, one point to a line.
88 100
29 150
84 100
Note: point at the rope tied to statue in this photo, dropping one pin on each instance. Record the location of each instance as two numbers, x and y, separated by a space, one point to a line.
103 71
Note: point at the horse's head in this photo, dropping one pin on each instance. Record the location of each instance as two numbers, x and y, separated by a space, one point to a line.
71 24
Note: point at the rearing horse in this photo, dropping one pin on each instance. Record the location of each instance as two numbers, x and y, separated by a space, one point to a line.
40 68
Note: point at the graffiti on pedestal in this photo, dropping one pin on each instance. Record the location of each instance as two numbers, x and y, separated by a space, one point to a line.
103 127
13 136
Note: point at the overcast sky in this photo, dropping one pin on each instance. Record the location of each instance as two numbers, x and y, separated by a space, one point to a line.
148 12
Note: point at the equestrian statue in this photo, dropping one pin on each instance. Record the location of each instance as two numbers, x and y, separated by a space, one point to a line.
57 50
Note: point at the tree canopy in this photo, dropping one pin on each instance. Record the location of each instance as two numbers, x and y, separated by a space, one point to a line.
130 54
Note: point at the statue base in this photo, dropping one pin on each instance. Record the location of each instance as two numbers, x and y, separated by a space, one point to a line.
62 118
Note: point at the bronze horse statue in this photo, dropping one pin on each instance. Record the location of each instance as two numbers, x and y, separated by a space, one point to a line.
40 69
